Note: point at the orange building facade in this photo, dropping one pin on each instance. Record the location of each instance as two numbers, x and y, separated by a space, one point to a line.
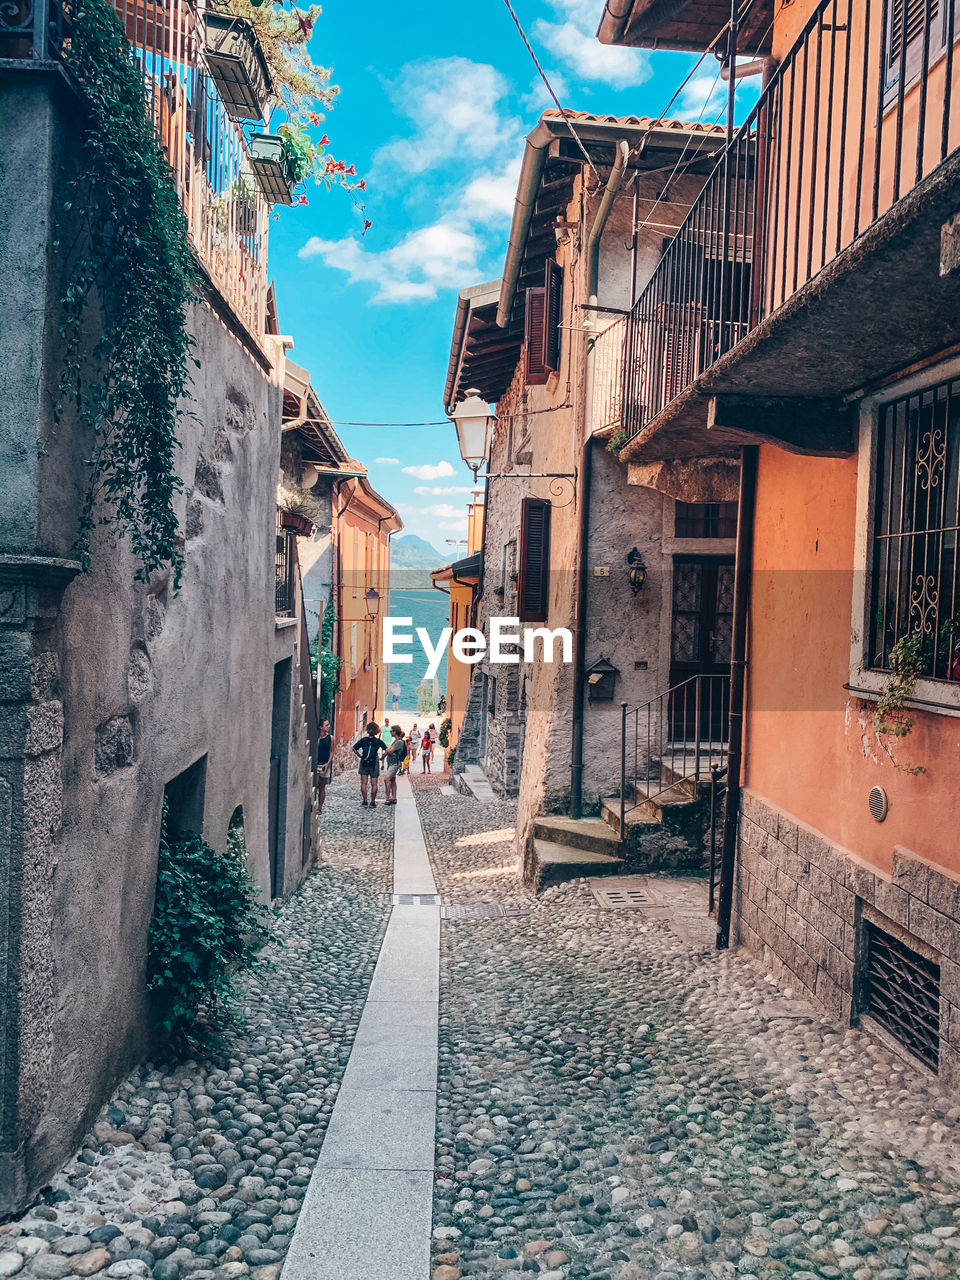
363 525
810 307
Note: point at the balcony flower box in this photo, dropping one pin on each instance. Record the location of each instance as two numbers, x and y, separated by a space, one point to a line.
237 65
297 523
273 167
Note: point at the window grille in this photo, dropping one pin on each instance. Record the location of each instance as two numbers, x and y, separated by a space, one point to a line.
706 520
916 585
902 993
286 563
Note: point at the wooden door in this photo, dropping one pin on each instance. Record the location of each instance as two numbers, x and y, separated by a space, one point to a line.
700 635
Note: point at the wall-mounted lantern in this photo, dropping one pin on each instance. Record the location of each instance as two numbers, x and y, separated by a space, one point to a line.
372 598
637 571
601 679
474 423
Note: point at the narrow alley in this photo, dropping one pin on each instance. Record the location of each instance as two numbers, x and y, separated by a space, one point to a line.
612 1103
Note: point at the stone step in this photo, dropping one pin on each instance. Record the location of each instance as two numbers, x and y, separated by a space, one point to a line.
592 834
656 804
610 815
557 862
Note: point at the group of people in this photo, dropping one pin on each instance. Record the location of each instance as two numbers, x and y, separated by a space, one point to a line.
391 750
396 752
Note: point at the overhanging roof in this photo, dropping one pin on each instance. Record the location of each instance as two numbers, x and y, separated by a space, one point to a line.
303 413
690 25
460 570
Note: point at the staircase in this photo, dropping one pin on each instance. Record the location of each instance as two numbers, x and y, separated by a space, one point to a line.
671 748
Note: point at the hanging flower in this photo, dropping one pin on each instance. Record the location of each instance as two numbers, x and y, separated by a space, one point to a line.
367 224
362 184
351 169
303 200
324 141
314 118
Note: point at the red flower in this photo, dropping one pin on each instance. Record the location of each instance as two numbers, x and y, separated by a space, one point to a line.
351 169
329 165
303 200
367 224
340 167
324 141
314 118
362 184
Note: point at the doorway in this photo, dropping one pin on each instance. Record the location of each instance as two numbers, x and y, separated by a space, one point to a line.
700 635
279 755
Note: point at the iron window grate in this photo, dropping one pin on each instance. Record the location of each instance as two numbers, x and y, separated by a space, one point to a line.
902 993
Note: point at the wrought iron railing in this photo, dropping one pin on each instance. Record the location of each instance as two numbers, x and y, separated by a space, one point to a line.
607 398
673 740
843 130
207 150
286 570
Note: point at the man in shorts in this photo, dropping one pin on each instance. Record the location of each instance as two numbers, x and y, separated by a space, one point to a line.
368 749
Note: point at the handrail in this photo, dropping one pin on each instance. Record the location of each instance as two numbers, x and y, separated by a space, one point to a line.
670 740
836 139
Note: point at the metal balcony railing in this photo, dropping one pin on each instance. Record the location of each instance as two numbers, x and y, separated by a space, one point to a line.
607 398
207 151
856 115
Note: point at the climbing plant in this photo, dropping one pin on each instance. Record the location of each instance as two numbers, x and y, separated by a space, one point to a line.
132 268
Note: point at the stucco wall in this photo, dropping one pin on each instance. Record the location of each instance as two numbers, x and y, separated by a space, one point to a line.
810 746
118 687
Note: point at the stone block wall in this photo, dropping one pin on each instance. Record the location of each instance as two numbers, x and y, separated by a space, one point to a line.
802 905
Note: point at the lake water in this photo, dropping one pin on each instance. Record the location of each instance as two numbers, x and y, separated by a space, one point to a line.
429 609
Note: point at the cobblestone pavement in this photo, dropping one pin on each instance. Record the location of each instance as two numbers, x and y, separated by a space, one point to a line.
615 1105
199 1170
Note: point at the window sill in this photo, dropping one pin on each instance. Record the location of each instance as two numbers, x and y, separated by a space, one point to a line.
284 624
937 697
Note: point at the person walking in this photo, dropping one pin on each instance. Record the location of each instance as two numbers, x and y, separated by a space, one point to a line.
324 762
367 750
415 739
392 761
426 753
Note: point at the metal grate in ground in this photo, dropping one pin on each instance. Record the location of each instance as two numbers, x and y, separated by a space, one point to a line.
479 911
416 899
623 892
902 990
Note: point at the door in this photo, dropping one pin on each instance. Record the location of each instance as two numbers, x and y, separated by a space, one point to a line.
700 636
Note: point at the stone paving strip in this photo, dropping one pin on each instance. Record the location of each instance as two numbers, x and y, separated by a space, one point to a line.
616 1104
199 1169
367 1212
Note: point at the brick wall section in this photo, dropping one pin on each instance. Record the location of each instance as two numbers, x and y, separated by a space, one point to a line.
799 906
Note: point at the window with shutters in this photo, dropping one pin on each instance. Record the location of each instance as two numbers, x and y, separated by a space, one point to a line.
534 585
907 23
544 305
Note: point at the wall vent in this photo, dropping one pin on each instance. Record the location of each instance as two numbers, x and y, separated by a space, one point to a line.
902 993
878 804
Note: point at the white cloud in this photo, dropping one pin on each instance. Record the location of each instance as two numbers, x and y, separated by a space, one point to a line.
439 489
430 471
454 526
490 197
573 40
454 106
704 96
439 256
436 510
388 462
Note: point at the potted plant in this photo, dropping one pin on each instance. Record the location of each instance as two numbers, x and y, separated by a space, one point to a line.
243 192
498 592
237 65
273 168
298 523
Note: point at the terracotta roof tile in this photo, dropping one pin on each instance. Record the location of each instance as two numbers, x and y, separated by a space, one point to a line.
693 126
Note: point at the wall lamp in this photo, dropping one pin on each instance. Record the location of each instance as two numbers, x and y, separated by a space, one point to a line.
638 571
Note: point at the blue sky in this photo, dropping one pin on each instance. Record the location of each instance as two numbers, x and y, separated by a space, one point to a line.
435 101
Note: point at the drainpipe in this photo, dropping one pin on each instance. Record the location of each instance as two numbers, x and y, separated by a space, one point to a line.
738 673
586 474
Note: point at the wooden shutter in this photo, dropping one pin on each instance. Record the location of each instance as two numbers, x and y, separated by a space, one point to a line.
916 13
552 312
536 371
534 588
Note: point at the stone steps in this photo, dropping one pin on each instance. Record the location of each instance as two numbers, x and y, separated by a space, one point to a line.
591 834
554 863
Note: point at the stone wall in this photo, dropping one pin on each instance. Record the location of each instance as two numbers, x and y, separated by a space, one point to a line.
802 904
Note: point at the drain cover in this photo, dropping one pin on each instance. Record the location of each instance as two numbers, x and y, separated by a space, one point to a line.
622 893
416 899
479 911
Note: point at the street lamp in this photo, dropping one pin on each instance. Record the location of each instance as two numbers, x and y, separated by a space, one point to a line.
372 598
474 423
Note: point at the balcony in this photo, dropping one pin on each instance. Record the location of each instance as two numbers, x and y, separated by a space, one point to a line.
810 264
208 153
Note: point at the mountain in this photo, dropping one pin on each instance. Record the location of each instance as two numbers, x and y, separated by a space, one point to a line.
411 552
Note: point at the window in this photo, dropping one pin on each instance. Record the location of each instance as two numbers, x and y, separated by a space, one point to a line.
286 568
534 585
542 327
906 22
706 520
915 581
901 991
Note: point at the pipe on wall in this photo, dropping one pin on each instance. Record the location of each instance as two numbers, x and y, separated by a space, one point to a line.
586 474
738 683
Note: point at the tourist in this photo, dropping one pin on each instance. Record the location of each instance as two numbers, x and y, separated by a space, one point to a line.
368 750
393 761
324 762
415 739
386 737
426 753
435 739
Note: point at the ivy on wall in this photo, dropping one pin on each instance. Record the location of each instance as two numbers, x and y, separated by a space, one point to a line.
133 266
